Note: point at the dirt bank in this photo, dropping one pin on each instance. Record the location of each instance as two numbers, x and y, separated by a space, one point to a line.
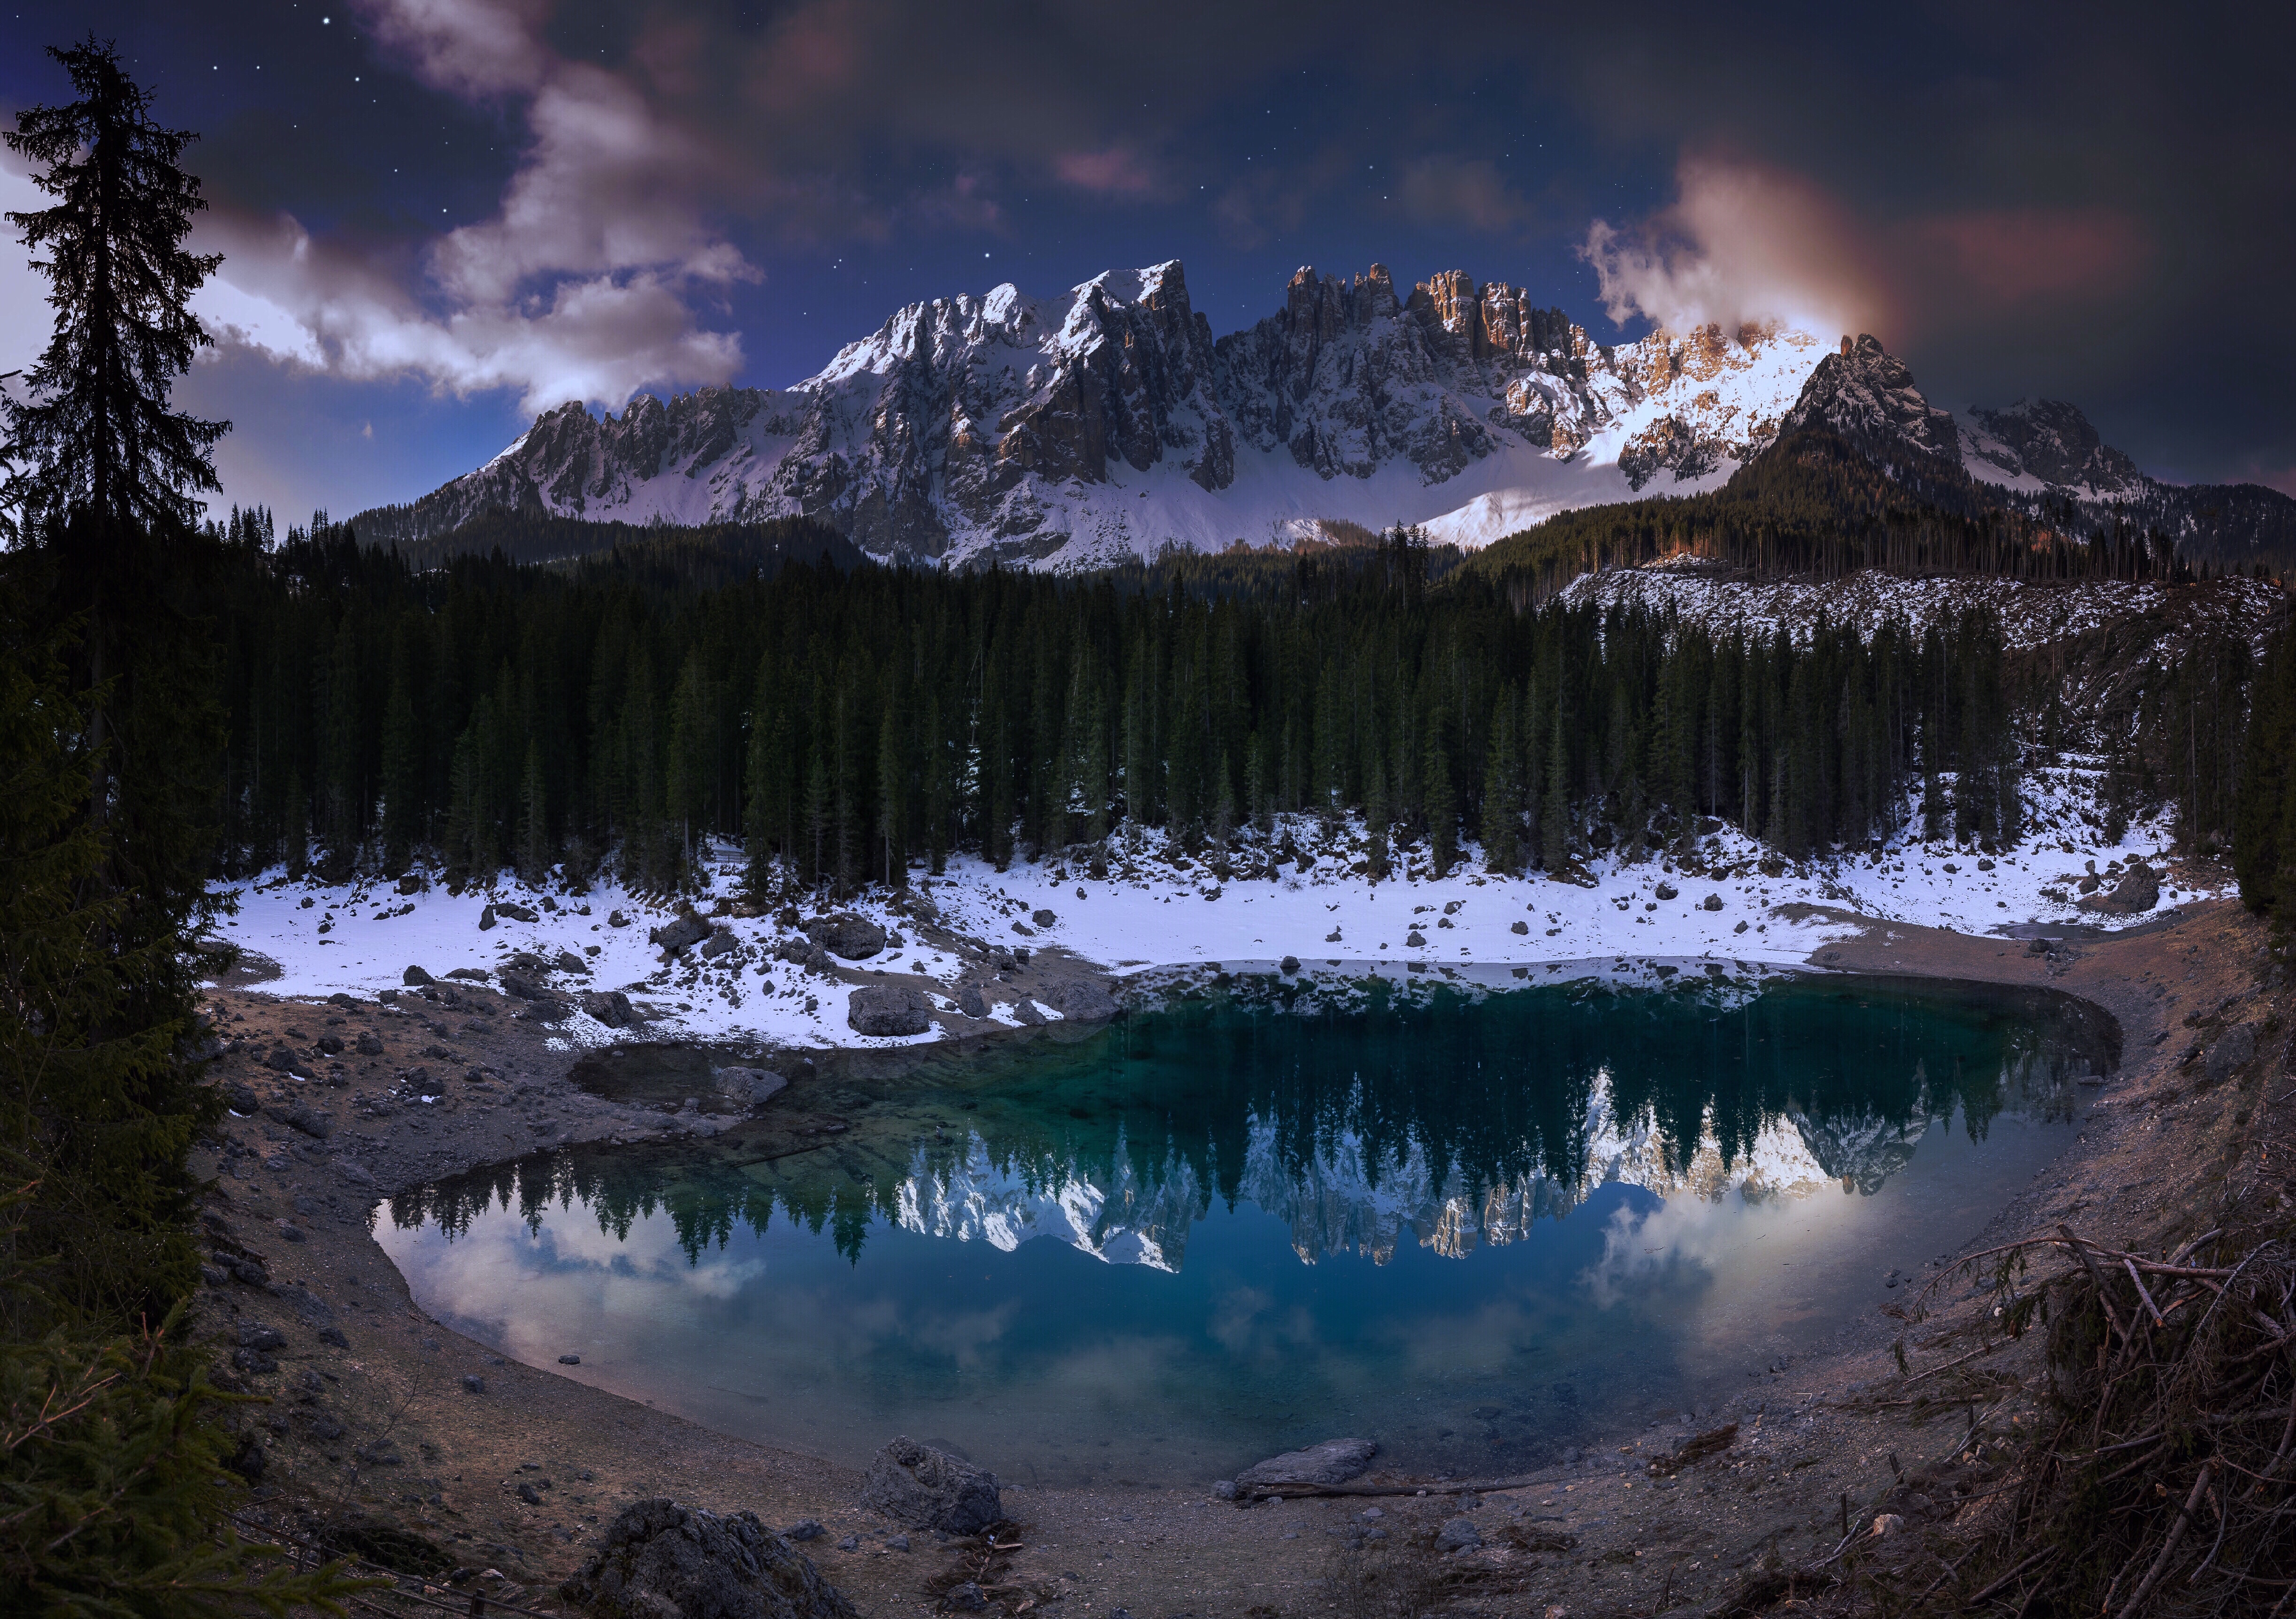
377 1411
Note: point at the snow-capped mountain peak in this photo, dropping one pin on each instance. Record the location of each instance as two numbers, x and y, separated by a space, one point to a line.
1109 422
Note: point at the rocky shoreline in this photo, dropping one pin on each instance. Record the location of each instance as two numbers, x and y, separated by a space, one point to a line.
378 1418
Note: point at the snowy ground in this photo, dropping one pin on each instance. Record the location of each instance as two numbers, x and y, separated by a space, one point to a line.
1157 908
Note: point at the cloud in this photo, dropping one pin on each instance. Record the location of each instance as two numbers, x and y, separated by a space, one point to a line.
1470 192
589 337
26 320
582 284
1117 171
2003 258
1743 242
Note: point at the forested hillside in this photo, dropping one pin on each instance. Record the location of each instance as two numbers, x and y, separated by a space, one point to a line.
1816 506
849 723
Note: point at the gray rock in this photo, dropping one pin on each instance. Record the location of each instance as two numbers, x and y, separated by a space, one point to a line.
240 1097
966 1597
2139 889
369 1044
416 978
971 1002
570 1360
660 1560
896 1543
1518 926
1025 1010
486 919
721 939
517 914
611 1007
1289 964
1082 1001
1043 919
303 1117
1415 940
756 1086
924 1488
524 987
567 960
2232 1052
259 1335
888 1008
1712 901
806 1529
855 938
474 1384
1333 1462
1460 1534
334 1336
1224 1490
682 930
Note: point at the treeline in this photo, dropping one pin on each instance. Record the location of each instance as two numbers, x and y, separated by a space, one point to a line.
847 723
1815 507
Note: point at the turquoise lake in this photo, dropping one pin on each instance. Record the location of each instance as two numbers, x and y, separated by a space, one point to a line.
1476 1226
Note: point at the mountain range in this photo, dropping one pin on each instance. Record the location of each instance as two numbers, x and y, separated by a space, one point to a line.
1111 423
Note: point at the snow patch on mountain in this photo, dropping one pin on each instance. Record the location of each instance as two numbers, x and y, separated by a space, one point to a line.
1109 424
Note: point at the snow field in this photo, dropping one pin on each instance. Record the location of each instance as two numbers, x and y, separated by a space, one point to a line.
1159 908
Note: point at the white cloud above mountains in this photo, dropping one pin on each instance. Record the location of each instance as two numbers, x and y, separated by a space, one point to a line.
584 283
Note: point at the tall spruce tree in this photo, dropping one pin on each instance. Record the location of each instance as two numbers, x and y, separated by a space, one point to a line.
100 501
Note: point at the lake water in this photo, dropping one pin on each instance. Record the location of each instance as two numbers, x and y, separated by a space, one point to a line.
1475 1225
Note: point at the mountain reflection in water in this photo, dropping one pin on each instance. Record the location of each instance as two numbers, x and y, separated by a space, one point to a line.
1361 1117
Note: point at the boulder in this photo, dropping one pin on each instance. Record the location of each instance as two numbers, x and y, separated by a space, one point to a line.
525 988
1290 964
240 1097
756 1086
567 960
1025 1010
2232 1052
611 1007
369 1044
1460 1534
1043 919
486 919
1414 940
680 931
720 940
924 1488
1081 1000
855 938
889 1009
2139 889
1333 1462
1712 901
971 1002
416 978
517 914
300 1116
1667 891
660 1560
1518 926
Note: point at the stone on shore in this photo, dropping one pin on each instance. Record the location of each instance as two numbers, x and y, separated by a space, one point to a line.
1081 1000
924 1488
611 1007
889 1009
680 931
855 938
1333 1462
662 1560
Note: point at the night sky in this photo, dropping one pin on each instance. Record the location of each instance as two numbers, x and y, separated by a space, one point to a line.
440 216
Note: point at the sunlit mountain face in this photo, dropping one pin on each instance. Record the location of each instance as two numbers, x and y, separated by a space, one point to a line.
1285 1195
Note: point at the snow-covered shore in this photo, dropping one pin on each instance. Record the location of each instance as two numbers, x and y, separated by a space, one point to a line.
1157 908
